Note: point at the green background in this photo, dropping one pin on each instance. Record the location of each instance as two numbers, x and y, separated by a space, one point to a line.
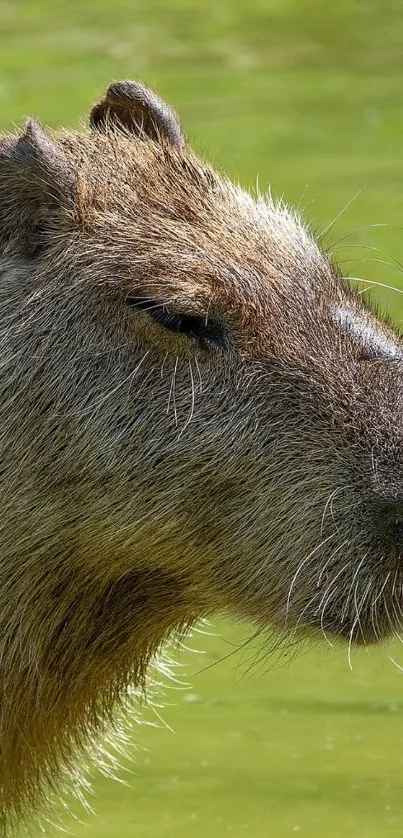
307 96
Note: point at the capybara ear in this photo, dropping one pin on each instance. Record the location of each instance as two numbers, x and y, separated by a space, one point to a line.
133 106
35 179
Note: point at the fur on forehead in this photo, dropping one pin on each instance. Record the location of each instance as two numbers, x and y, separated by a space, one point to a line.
121 170
206 244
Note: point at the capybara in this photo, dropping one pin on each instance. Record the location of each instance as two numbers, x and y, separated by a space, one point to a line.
198 415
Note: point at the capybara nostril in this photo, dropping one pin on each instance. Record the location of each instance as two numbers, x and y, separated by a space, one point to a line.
393 516
396 530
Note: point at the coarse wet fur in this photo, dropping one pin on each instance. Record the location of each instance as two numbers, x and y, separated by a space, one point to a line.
198 414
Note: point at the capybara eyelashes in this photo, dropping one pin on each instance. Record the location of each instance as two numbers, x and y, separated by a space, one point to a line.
207 332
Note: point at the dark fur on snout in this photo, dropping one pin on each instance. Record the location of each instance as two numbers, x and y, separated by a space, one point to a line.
197 415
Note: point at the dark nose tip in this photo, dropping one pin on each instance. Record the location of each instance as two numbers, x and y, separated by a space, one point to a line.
394 522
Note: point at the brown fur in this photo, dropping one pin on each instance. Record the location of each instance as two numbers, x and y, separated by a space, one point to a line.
250 463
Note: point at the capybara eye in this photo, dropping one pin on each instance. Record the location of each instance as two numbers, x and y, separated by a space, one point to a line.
208 332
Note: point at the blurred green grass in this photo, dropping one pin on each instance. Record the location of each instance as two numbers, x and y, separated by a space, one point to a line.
308 96
266 748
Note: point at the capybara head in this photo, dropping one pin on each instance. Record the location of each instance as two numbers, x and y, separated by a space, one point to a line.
198 414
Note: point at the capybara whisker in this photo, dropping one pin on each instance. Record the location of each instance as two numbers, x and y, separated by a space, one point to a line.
378 284
354 232
344 209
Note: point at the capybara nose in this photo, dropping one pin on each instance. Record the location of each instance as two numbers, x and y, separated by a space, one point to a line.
396 531
394 522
